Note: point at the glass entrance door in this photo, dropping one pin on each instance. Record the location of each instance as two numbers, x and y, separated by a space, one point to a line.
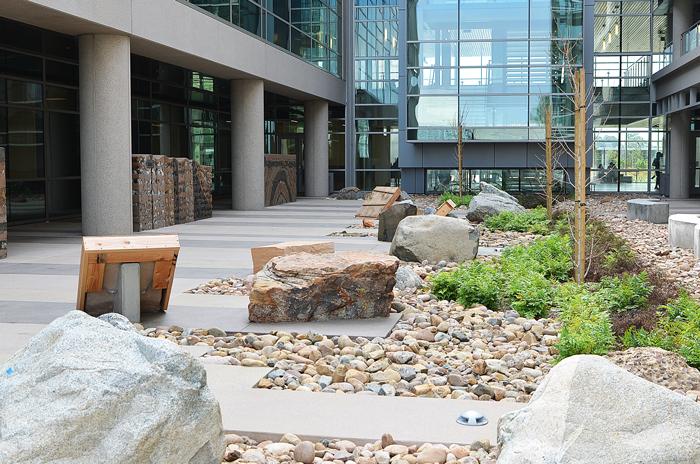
695 179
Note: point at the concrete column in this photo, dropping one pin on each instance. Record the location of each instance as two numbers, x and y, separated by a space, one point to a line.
679 171
247 144
105 134
682 20
316 148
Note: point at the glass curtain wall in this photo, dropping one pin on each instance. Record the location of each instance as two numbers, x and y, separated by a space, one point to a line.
179 112
336 145
490 65
629 45
39 122
284 131
311 29
376 33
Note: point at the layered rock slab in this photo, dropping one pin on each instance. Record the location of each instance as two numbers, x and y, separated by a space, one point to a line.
83 391
589 410
306 287
435 238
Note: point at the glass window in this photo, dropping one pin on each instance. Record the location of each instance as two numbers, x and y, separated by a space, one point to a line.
25 134
63 148
367 180
556 19
277 31
378 151
432 20
432 111
23 93
496 19
26 201
494 110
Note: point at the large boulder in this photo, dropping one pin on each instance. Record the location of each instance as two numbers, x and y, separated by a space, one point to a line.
435 238
304 287
491 201
83 391
589 410
389 219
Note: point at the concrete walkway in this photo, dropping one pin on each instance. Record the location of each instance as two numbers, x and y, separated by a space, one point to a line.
38 283
38 280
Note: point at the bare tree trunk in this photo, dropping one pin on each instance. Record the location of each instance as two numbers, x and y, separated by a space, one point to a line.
548 158
459 158
580 176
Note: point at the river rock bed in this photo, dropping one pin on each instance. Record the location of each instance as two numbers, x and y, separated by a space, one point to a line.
650 241
291 448
228 286
438 349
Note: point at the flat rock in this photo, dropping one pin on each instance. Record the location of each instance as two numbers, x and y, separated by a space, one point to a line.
435 238
83 391
589 410
305 287
262 255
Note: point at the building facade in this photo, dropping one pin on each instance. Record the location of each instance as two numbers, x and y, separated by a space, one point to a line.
361 93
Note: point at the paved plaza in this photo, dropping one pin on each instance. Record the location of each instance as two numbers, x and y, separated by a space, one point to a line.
38 283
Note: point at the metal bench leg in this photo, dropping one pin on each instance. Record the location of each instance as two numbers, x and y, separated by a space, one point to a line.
127 300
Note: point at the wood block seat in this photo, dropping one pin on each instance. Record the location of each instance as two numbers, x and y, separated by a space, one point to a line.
261 255
649 210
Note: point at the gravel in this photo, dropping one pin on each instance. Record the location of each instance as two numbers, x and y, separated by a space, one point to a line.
291 448
650 241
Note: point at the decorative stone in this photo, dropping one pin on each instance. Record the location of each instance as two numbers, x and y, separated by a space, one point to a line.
348 193
589 410
406 277
304 287
262 255
435 238
83 391
389 219
648 210
491 201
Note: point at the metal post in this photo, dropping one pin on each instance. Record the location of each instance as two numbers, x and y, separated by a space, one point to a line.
127 300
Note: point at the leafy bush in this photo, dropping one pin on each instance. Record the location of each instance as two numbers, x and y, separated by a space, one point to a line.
678 329
529 293
551 256
524 277
481 285
619 259
534 221
586 328
464 200
617 294
475 283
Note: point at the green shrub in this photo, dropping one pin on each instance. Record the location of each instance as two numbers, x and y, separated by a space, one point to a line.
529 293
464 200
475 283
586 328
617 294
551 256
481 284
534 221
446 283
621 258
678 329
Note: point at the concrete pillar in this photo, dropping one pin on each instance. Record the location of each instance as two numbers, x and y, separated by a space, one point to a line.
105 134
679 171
316 148
247 144
682 20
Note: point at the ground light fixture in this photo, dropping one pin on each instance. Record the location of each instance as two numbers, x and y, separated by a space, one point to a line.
472 418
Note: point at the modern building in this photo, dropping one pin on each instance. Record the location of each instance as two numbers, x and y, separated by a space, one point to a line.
363 92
